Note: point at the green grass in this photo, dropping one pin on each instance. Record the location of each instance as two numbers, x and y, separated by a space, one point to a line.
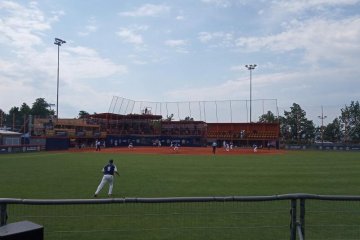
76 175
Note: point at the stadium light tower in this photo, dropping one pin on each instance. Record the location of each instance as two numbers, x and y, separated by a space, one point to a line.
58 42
250 68
322 117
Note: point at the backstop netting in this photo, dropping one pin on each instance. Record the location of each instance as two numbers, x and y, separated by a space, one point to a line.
219 111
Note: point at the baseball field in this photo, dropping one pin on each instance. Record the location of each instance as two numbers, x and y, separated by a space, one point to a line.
153 173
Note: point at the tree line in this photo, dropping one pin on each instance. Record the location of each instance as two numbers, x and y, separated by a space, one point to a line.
296 128
294 125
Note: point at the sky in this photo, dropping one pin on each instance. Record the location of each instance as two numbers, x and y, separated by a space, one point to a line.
306 51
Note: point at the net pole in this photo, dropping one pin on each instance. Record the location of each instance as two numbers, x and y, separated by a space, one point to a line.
247 111
189 110
112 100
216 112
160 109
115 105
178 110
204 111
127 106
231 112
200 110
167 110
122 101
133 106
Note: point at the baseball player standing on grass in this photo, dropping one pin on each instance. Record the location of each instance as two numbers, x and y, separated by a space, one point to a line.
108 177
214 145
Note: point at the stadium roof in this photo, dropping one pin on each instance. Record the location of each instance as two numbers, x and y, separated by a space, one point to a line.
6 132
113 116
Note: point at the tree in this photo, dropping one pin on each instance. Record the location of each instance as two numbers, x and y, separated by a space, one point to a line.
268 117
83 114
40 108
350 122
332 131
296 126
12 119
25 109
2 118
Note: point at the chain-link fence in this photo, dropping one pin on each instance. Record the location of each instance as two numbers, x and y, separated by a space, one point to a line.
291 216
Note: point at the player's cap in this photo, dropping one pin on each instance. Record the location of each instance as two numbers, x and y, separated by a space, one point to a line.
111 161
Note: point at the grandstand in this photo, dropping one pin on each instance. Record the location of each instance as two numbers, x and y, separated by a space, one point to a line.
150 124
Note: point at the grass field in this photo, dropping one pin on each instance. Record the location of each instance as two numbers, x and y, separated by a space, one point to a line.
67 175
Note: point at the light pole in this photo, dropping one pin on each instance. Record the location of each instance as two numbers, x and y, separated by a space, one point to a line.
322 117
58 42
250 68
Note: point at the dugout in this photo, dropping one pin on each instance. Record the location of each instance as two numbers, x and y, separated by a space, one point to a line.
10 138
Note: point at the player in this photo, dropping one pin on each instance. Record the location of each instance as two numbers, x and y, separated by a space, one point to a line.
214 145
255 148
98 145
131 145
108 177
176 146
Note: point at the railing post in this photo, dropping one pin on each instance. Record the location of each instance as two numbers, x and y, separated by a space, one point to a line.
302 217
293 219
3 214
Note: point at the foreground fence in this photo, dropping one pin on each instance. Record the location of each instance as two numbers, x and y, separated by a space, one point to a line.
290 216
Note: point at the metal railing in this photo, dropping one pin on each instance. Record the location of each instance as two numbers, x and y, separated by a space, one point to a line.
297 205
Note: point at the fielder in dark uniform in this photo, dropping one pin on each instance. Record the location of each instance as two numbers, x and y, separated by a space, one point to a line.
108 177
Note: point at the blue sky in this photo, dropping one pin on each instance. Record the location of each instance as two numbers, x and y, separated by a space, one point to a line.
307 52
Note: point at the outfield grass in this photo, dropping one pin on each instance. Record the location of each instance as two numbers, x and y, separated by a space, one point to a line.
76 175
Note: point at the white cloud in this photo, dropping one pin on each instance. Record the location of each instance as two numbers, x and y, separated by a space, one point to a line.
237 68
28 67
175 43
147 10
130 36
91 27
298 6
20 26
315 38
85 63
178 44
217 39
218 3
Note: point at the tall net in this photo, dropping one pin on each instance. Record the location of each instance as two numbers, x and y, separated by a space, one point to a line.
224 111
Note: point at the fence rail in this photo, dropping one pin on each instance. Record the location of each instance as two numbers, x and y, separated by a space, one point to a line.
228 217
